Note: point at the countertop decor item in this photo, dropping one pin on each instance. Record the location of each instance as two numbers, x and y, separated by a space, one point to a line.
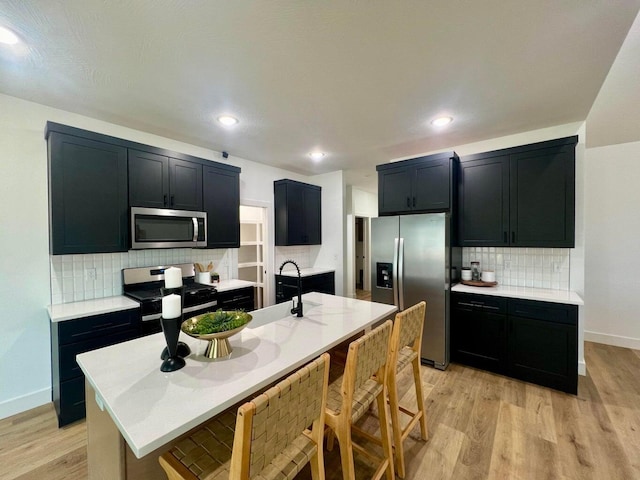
173 354
479 283
216 328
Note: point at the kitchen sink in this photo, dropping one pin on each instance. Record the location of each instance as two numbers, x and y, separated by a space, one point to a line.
277 312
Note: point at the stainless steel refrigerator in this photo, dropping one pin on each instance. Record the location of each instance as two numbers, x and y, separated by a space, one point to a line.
412 259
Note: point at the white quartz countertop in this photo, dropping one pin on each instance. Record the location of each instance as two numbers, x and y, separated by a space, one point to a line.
86 308
527 293
151 408
305 272
233 284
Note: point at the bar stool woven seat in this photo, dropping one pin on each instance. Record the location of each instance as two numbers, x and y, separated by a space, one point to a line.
267 440
350 395
404 351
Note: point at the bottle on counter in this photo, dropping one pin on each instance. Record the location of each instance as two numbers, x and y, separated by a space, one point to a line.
475 271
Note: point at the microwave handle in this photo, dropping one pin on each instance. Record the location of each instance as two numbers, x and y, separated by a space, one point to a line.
195 228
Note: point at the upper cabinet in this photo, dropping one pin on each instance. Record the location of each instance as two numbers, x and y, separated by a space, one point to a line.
221 201
424 184
298 213
87 195
94 179
520 197
157 181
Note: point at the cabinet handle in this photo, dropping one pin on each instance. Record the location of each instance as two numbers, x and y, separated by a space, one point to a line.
414 201
513 237
173 200
408 201
165 199
506 239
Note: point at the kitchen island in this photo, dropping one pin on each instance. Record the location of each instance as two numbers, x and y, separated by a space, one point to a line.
135 412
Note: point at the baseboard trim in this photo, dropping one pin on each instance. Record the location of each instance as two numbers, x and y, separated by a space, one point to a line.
614 340
582 368
13 406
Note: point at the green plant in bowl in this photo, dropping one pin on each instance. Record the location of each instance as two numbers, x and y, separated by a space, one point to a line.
216 322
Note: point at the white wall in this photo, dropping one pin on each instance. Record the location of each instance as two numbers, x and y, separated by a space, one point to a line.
612 231
25 368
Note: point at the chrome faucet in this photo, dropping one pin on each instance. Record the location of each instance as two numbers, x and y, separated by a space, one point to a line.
297 309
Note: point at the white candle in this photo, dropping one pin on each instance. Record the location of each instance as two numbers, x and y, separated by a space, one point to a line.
172 277
171 306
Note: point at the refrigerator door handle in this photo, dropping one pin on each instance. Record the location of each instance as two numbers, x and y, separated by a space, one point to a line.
395 272
400 278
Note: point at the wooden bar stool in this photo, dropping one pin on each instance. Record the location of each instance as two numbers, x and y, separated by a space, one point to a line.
271 439
406 341
351 394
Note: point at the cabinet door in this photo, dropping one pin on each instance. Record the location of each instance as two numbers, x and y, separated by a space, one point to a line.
87 196
430 186
542 198
394 190
484 202
312 217
290 212
148 180
221 201
543 352
185 185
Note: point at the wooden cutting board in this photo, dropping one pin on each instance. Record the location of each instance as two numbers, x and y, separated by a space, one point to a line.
479 283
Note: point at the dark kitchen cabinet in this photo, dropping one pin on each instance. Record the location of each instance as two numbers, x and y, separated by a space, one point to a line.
520 197
543 343
529 340
287 286
72 337
298 213
158 181
238 299
221 201
87 195
478 331
424 184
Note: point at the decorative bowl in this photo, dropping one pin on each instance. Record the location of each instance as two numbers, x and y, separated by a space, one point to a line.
219 345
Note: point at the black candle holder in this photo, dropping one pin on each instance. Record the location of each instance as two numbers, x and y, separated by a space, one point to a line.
173 354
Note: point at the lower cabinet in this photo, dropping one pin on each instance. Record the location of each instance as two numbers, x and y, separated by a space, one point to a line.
72 337
239 299
287 286
529 340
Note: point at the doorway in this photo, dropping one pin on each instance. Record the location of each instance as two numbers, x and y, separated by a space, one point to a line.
361 254
253 254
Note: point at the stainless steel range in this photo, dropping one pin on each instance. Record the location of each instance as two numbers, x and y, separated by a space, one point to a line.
143 284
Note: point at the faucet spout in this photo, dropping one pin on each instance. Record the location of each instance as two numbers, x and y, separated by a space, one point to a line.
298 308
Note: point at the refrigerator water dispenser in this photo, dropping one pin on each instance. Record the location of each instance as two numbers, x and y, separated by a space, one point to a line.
384 278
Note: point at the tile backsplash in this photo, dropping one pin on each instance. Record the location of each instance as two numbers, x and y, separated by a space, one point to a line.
523 267
85 277
299 254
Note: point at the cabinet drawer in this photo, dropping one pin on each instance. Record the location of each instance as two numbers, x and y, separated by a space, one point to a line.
237 299
69 367
550 312
485 303
72 331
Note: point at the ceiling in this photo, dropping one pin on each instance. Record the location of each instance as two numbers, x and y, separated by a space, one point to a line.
359 80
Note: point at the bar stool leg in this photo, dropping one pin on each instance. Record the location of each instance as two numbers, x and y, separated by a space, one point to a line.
420 399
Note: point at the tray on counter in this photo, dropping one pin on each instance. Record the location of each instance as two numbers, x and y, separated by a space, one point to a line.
478 283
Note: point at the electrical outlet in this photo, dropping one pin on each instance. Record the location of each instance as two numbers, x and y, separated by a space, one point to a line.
507 264
91 274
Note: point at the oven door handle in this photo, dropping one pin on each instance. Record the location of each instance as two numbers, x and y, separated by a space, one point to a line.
158 316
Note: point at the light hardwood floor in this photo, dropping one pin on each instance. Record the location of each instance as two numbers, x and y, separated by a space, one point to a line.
481 426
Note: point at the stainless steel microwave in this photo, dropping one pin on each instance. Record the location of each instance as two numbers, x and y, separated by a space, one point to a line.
164 228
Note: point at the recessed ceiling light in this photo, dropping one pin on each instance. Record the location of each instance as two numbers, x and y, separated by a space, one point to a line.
316 155
8 37
441 121
227 120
